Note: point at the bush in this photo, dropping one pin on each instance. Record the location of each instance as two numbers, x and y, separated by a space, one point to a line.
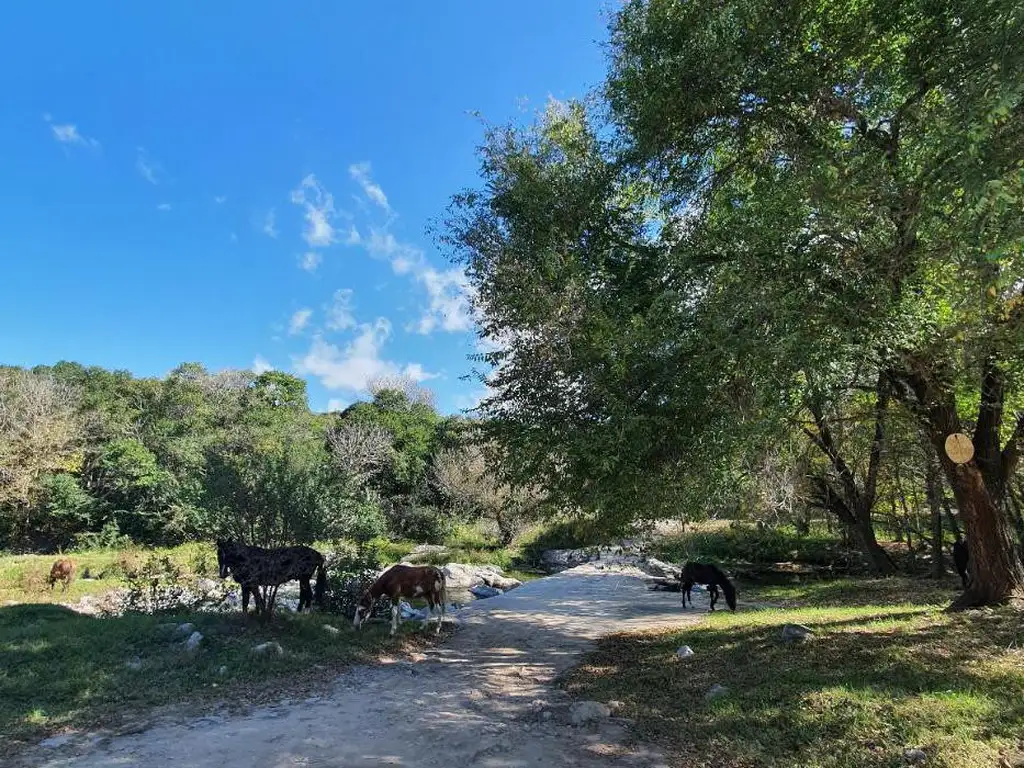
109 537
746 543
412 520
351 569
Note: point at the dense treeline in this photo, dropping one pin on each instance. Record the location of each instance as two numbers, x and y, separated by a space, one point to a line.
90 456
779 253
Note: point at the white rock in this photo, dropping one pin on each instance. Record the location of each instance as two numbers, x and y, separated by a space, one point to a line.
483 591
271 647
684 652
185 629
915 756
716 691
193 641
796 633
583 712
55 742
659 568
331 630
222 670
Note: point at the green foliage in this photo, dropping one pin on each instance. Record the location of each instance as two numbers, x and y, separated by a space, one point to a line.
750 544
63 509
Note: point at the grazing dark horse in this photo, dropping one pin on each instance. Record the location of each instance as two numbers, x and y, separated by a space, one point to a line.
407 581
960 559
710 575
63 571
255 567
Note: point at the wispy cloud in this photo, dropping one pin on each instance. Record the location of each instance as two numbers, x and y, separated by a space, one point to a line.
310 260
68 133
148 168
339 312
448 291
260 365
164 207
270 224
361 173
299 321
319 211
220 199
335 404
352 367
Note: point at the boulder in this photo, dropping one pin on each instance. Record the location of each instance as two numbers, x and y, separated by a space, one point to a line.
684 652
459 576
185 629
561 559
583 712
716 691
483 591
192 644
331 630
796 633
422 552
915 756
268 648
660 569
504 583
413 614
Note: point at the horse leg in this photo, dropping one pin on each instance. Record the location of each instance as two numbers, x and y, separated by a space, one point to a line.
395 602
713 592
305 594
685 590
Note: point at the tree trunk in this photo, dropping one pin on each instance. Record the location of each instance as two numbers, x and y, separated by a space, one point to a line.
858 527
933 490
979 486
853 506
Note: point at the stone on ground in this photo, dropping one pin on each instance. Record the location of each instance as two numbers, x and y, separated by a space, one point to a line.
583 712
796 633
268 648
684 652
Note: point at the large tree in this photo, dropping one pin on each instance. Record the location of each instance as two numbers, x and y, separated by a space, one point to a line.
789 201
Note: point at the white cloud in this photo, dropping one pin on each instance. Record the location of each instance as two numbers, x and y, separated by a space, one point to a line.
260 365
68 134
310 260
449 297
353 237
416 372
299 321
219 199
339 313
336 404
351 368
319 206
164 207
270 224
147 168
361 173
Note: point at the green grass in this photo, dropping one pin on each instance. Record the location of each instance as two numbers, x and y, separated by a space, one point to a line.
65 670
887 671
23 577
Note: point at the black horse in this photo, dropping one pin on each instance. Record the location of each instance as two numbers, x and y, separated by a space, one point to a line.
712 577
255 567
960 559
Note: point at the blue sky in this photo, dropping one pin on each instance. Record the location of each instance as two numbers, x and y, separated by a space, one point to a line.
249 183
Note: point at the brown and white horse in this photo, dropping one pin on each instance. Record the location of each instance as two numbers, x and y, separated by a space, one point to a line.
406 581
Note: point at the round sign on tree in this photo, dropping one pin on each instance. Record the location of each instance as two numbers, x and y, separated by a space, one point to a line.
959 448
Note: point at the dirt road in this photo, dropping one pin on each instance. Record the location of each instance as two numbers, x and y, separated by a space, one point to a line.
483 698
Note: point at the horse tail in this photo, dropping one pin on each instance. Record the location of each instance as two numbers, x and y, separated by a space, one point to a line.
444 587
321 583
727 588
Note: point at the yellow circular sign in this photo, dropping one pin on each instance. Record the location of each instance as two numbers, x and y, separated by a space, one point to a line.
959 448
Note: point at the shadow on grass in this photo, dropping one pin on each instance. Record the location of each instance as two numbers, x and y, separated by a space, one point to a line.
64 669
864 689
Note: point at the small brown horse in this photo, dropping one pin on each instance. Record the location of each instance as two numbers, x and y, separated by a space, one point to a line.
63 570
407 581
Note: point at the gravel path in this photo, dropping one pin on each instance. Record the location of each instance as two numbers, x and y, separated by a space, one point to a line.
483 698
